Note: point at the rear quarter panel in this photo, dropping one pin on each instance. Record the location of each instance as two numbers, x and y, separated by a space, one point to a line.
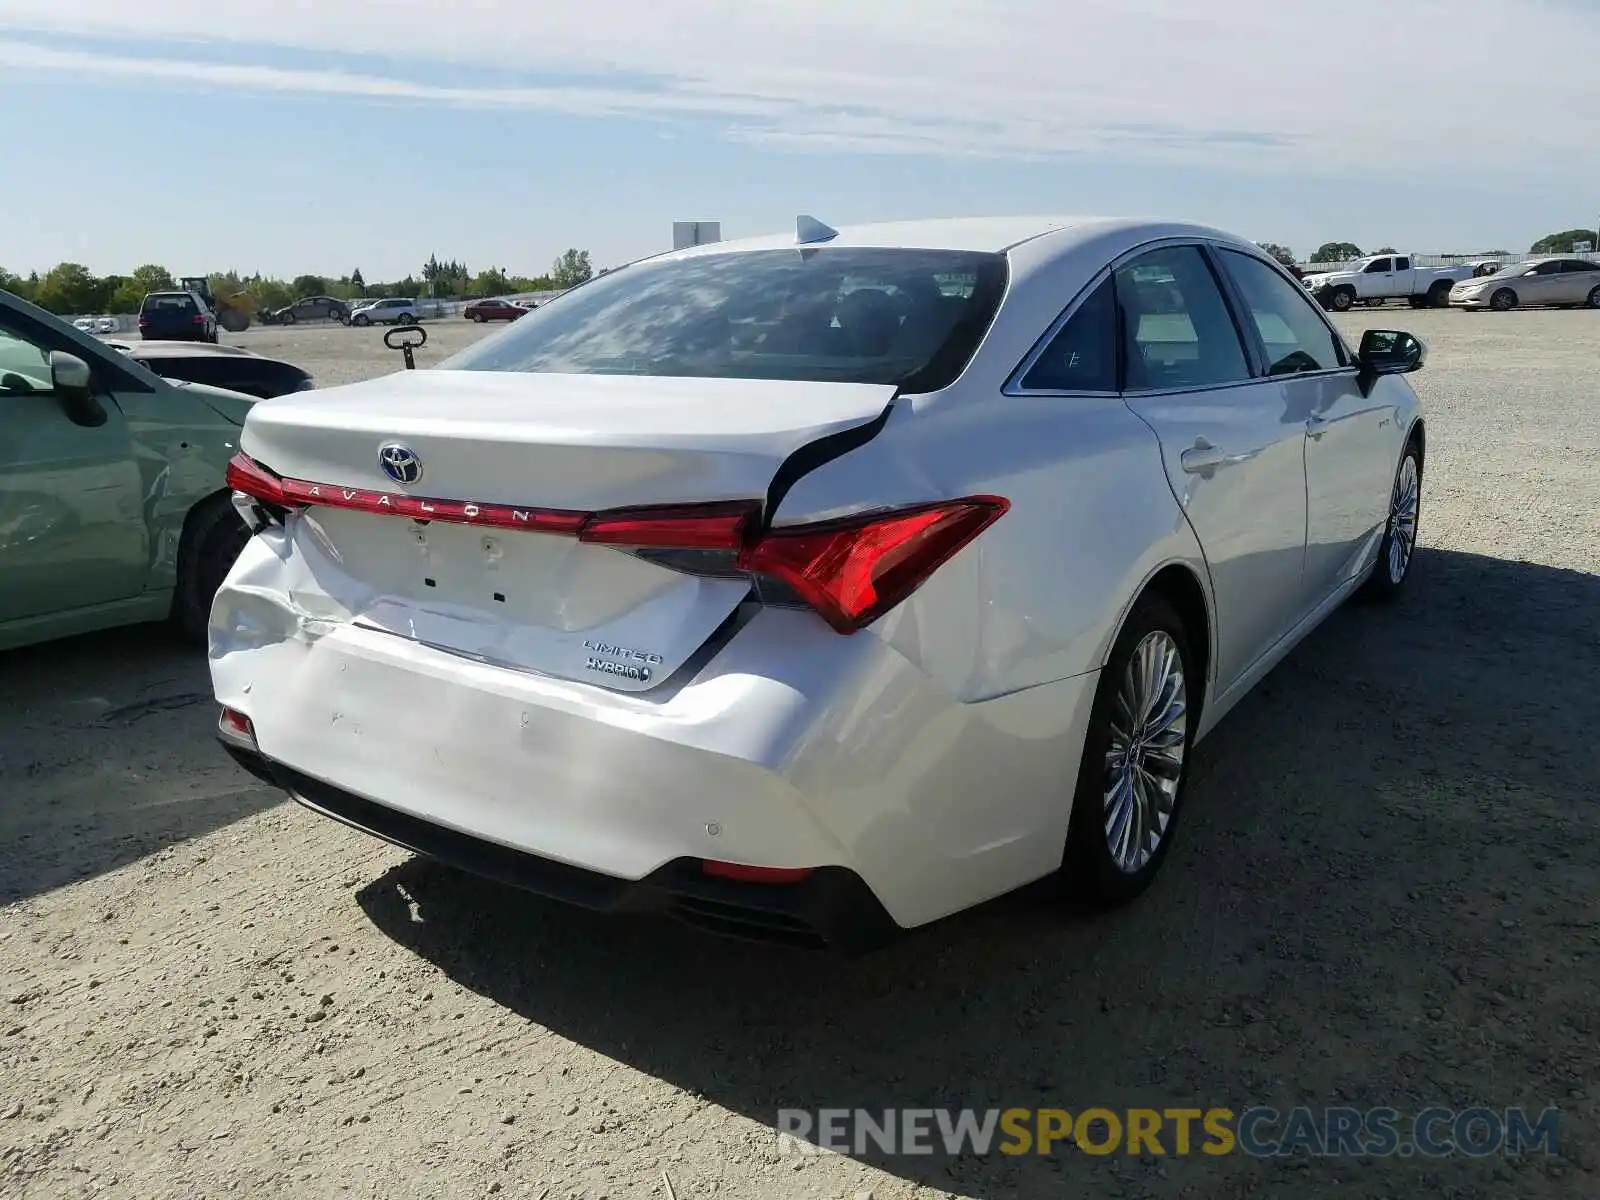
182 447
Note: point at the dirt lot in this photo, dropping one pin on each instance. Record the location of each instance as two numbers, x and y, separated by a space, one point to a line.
1386 894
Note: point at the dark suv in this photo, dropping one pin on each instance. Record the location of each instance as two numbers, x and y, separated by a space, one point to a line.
176 317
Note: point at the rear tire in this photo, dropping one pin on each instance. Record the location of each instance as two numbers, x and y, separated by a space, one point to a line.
405 319
1439 295
1134 767
1594 298
361 320
213 535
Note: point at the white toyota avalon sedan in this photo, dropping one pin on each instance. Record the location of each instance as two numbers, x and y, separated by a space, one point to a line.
818 586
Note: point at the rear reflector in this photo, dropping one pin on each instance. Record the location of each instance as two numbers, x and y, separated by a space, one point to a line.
747 874
850 572
236 727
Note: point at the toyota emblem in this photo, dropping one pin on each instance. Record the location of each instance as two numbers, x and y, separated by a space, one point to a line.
399 463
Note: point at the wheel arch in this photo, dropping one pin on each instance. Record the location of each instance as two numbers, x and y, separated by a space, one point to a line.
1180 585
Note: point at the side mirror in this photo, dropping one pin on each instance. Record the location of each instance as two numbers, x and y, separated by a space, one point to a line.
1390 352
73 383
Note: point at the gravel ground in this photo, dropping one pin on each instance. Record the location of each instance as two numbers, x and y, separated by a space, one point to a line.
1385 894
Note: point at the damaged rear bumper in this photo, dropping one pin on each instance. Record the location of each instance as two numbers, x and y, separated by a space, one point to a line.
830 909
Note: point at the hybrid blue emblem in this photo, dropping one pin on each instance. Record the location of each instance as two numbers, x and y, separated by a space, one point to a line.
399 463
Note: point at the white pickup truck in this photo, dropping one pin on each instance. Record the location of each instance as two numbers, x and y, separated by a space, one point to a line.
1381 277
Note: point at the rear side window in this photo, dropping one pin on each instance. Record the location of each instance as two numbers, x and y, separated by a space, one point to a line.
169 304
1176 327
1082 357
1295 337
843 314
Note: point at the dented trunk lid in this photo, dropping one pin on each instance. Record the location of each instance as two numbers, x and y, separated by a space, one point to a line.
532 600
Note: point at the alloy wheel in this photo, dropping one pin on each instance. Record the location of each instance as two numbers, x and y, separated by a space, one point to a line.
1403 511
1145 752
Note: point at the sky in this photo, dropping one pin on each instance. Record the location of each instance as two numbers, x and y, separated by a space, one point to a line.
321 136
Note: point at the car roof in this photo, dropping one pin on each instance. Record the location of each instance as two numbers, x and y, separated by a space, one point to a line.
991 234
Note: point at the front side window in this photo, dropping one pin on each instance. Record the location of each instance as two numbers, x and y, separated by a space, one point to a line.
1176 328
1082 357
24 363
908 317
1377 266
1549 268
1295 337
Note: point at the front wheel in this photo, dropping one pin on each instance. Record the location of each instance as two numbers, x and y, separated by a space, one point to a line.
1399 543
361 320
1135 760
1503 301
212 538
1341 299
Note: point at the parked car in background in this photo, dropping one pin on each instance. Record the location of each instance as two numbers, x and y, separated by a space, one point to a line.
312 308
394 310
107 325
1381 277
177 316
230 367
1557 282
494 310
86 324
784 567
1481 267
114 507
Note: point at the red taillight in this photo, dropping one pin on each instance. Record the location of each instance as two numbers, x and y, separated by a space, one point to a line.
748 874
246 475
689 527
852 572
199 319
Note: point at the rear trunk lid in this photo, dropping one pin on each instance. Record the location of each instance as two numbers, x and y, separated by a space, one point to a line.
536 601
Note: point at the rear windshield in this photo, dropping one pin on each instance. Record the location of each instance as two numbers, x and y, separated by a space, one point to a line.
179 303
850 315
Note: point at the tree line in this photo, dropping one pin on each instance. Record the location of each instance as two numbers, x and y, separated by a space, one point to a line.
72 288
1332 252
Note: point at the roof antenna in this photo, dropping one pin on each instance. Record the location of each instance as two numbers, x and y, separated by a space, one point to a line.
809 229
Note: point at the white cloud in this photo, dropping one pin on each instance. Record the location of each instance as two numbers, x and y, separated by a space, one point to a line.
1326 85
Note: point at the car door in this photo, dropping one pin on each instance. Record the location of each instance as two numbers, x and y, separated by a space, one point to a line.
1542 285
72 523
1351 438
1574 282
1376 279
1233 453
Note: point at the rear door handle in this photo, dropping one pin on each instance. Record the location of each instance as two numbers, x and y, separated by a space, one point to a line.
1203 456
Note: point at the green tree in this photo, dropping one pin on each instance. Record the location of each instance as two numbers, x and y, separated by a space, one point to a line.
1336 252
15 284
1561 243
271 293
309 285
129 293
1282 253
1384 250
71 288
490 283
571 269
